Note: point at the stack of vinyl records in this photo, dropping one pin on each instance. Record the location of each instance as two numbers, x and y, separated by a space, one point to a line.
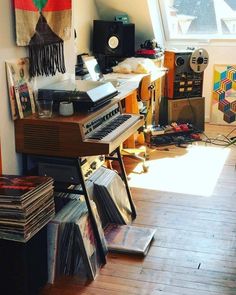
26 206
62 198
111 198
72 248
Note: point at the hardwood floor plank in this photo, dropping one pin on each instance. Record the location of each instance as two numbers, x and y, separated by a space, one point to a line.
198 213
176 266
186 273
223 203
148 281
194 250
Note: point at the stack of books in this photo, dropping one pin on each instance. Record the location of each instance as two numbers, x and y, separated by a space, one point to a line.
26 206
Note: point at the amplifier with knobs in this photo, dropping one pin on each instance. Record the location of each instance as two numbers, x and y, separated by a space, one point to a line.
64 169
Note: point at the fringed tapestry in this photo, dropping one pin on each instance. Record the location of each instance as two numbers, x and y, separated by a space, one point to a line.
43 26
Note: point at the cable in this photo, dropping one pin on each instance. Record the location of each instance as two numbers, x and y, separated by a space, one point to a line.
231 132
213 141
193 113
227 141
226 138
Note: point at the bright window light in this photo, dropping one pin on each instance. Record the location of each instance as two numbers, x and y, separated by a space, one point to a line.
200 19
195 172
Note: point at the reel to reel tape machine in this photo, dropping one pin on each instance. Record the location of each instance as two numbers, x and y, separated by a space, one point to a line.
199 60
185 72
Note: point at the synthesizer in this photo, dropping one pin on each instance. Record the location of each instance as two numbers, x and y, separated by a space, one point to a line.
88 134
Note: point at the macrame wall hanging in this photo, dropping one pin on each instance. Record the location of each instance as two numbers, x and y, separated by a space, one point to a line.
43 26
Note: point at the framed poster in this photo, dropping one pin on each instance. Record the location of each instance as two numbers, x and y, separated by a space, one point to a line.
19 85
223 104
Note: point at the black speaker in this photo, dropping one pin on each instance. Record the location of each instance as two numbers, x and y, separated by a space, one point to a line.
113 38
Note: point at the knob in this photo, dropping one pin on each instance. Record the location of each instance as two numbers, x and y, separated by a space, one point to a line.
200 60
179 61
93 165
101 158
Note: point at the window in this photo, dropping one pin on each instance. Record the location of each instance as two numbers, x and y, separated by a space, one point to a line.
199 19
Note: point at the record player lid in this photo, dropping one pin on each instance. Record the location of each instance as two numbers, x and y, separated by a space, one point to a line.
85 90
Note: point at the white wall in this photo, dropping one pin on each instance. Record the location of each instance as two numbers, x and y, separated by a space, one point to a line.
138 12
8 50
85 12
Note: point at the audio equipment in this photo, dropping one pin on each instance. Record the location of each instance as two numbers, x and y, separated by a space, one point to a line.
189 110
64 169
185 72
83 134
113 38
86 95
199 60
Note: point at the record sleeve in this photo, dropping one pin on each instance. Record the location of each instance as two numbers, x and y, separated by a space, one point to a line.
26 205
52 244
72 248
20 88
128 238
112 197
19 186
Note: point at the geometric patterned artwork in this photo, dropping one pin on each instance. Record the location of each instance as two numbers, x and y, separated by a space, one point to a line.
223 106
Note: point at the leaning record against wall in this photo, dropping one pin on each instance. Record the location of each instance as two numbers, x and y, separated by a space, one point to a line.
20 89
223 103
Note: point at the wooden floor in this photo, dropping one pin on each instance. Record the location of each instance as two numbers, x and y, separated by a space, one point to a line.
194 251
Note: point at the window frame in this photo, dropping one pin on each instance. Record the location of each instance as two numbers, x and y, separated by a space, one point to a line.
207 38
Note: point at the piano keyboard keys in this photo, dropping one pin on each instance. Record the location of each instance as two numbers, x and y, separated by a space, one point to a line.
113 128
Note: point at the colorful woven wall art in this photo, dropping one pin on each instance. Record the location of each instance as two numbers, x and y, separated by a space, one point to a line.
43 26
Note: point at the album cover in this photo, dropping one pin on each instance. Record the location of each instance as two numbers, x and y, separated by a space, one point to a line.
128 238
72 247
112 198
15 187
52 249
24 229
20 88
87 244
84 235
26 205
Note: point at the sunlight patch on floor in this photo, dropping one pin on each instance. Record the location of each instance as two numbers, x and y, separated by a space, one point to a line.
194 173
